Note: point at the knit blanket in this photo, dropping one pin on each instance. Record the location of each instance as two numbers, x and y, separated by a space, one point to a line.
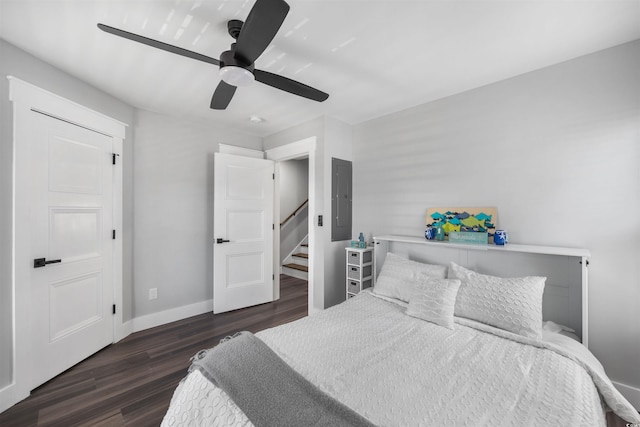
266 389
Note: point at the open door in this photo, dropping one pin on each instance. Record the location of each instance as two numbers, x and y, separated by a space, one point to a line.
243 232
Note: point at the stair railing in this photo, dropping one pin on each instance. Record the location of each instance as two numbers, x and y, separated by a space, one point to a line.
299 209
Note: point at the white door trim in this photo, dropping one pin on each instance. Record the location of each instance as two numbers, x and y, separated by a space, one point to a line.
302 148
25 98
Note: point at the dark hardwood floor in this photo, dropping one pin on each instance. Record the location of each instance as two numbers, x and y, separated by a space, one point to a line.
130 383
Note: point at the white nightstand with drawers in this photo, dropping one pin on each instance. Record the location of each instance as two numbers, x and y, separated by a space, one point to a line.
359 270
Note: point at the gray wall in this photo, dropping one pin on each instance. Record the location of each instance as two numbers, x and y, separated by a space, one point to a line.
556 150
26 67
173 209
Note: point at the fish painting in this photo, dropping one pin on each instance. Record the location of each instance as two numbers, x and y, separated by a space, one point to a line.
480 220
449 227
472 221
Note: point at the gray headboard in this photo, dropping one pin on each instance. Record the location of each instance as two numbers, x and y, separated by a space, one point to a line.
565 298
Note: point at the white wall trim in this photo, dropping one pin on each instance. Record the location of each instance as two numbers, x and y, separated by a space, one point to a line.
44 101
172 315
632 394
10 395
294 150
240 151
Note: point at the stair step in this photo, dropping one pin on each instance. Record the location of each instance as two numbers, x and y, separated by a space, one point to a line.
297 267
301 255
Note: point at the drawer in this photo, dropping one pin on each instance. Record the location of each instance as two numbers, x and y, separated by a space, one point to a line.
353 286
358 257
354 271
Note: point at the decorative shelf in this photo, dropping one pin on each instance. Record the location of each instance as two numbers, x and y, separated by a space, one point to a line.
510 247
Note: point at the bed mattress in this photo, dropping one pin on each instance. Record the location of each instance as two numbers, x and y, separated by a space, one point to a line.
397 370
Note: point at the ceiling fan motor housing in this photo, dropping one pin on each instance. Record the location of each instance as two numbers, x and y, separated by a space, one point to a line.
228 59
235 71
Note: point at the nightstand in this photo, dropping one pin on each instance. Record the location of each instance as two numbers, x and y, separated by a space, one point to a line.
359 270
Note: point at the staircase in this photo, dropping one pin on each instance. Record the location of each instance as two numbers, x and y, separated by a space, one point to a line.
297 263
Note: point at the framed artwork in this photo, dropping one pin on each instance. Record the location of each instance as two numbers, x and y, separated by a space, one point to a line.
479 220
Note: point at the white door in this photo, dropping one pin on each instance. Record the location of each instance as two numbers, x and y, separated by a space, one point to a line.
71 242
243 232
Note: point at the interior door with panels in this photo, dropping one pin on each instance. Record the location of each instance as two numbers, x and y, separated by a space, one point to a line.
243 229
71 202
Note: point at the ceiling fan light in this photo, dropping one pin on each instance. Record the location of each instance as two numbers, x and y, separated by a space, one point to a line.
236 76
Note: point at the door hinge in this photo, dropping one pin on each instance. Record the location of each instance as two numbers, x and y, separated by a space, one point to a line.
113 158
113 309
273 176
273 277
113 234
273 226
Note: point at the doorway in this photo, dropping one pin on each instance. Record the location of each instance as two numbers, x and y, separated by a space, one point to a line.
305 148
294 217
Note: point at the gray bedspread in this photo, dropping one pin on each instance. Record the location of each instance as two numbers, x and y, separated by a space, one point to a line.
268 390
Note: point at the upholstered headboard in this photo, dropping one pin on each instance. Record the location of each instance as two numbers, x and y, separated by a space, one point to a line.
566 290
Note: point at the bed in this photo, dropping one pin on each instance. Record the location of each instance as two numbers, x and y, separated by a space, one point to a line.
410 353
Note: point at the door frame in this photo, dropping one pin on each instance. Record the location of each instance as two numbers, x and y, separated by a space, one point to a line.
295 150
27 98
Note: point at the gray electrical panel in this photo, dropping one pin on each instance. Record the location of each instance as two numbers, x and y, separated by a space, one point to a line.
341 194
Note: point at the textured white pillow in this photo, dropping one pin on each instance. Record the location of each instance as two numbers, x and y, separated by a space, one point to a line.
399 276
555 327
434 300
512 304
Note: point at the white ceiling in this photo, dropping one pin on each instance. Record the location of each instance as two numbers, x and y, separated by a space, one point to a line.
372 57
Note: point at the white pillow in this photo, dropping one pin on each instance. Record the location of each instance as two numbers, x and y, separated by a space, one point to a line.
399 276
555 327
512 304
434 300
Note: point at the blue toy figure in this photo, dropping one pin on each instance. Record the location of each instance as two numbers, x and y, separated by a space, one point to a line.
500 237
430 233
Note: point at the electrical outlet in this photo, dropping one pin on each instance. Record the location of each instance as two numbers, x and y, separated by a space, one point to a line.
153 293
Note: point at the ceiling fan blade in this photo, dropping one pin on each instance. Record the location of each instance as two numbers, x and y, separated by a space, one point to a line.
159 45
288 85
260 28
222 96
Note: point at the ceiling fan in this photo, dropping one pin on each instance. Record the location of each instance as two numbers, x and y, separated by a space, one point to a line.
237 64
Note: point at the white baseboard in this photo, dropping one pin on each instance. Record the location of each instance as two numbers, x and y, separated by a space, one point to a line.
632 394
123 331
10 395
163 317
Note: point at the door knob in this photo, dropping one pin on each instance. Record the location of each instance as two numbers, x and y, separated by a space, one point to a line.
219 240
41 262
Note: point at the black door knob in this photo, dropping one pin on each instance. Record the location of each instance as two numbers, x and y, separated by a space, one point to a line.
41 262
